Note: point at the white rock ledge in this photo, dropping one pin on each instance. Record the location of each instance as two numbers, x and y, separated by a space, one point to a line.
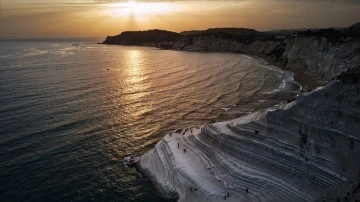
307 150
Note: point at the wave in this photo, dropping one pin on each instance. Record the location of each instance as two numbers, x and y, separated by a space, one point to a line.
62 108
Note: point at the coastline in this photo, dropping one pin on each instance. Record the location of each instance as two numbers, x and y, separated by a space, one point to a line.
308 81
304 149
284 153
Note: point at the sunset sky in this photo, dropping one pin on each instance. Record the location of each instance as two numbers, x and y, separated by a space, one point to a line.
99 18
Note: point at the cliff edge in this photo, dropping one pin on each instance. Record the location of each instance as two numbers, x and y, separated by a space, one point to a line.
322 53
304 150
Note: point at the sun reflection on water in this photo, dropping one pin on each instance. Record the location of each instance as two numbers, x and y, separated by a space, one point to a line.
134 71
136 92
135 74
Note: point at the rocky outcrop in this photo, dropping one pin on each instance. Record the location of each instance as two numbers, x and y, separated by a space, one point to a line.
318 55
150 37
306 150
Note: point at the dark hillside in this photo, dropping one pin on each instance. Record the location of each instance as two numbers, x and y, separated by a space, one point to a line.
243 34
149 37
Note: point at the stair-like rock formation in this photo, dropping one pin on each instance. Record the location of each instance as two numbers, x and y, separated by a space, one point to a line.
306 150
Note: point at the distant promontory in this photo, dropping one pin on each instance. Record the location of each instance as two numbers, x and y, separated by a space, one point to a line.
149 38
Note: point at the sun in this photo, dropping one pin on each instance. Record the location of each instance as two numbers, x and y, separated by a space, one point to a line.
131 4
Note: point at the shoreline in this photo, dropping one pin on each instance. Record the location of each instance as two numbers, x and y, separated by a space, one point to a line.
303 149
308 81
247 146
242 159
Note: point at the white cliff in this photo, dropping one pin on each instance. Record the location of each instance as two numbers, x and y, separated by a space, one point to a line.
320 56
306 150
316 55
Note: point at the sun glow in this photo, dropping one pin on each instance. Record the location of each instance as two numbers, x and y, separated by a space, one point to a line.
139 9
131 4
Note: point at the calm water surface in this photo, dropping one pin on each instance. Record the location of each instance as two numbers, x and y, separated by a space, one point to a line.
69 114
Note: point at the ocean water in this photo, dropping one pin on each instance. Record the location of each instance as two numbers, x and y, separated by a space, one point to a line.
71 110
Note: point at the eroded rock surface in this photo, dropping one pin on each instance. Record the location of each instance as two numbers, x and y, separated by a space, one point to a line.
306 150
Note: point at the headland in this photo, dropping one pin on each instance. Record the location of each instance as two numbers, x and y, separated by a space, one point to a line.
306 149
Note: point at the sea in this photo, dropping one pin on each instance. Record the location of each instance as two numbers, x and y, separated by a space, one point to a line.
71 110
